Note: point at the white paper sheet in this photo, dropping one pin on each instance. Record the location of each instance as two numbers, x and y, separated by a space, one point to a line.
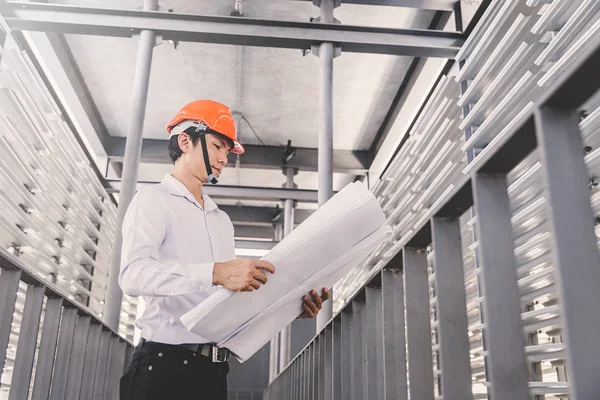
316 254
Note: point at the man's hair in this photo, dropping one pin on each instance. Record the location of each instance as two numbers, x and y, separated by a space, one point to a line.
174 149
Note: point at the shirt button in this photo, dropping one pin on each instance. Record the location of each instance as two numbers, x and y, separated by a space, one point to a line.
185 361
150 368
160 354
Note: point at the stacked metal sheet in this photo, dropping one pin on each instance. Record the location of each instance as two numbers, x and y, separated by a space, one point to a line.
517 50
54 213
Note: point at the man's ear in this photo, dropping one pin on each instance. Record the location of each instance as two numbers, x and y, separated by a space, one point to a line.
184 142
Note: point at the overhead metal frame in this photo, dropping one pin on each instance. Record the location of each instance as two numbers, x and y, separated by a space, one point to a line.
354 162
240 192
64 19
436 5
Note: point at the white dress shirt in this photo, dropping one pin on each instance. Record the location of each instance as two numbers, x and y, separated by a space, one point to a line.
170 245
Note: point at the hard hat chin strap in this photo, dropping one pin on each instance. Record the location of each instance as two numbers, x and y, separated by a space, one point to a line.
211 178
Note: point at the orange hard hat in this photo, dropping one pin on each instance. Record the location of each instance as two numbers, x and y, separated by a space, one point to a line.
209 117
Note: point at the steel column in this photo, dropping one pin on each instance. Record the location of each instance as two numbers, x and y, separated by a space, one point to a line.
68 319
326 55
374 343
48 342
328 362
30 323
418 324
347 353
337 357
285 335
505 339
133 149
359 349
451 310
575 249
89 367
9 286
394 341
74 382
101 365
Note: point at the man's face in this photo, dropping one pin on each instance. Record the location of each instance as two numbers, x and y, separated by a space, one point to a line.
193 157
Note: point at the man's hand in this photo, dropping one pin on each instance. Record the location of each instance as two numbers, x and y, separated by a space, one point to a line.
242 274
312 306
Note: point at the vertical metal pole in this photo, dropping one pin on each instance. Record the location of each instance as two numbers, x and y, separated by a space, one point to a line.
575 249
394 341
359 353
131 161
32 311
347 356
508 366
418 324
63 354
285 335
452 310
326 54
76 366
9 287
374 342
337 357
274 358
48 342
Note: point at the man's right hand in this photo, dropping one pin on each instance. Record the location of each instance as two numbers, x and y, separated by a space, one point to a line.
242 274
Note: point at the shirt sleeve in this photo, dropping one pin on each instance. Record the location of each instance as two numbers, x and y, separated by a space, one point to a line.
142 272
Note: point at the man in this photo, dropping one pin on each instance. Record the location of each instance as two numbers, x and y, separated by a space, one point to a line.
178 248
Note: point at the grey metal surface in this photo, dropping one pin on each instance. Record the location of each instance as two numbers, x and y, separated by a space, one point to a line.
47 349
328 366
394 340
326 55
451 311
337 357
101 365
91 356
256 157
28 334
374 343
507 363
321 364
441 5
58 390
113 374
359 349
133 147
9 285
76 367
575 244
247 192
346 353
230 30
418 324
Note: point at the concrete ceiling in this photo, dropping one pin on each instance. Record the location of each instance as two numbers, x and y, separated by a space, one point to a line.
276 89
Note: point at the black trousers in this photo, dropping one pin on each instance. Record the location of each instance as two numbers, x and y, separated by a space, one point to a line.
164 371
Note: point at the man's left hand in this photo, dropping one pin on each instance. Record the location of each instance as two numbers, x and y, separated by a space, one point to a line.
312 304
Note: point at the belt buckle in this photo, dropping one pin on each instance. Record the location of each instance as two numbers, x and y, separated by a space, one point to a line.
218 355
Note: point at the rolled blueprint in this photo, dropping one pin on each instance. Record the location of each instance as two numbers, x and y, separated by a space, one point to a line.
318 253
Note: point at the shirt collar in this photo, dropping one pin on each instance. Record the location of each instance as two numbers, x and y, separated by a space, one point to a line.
177 188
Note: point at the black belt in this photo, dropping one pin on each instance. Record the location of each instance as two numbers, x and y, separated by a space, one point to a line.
214 353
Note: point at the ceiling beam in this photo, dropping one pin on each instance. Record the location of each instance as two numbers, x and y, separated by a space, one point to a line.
261 157
239 192
253 232
260 216
436 5
255 244
21 16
